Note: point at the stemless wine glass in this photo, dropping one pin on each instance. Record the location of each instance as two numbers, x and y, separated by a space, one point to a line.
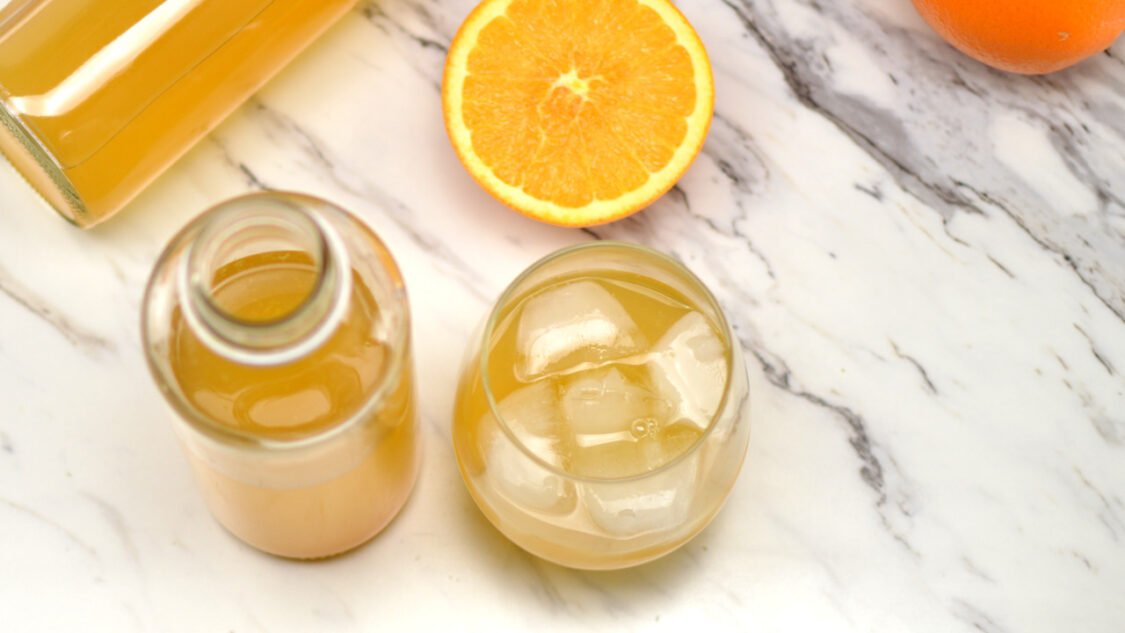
601 417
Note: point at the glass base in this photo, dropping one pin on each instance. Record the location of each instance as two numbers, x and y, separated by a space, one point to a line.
34 163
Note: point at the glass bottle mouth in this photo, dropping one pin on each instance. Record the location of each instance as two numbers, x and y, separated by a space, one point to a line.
255 226
624 256
336 249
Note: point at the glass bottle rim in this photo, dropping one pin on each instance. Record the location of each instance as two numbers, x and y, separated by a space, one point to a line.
298 332
396 307
723 331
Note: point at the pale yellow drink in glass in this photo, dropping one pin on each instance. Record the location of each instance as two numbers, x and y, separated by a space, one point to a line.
600 421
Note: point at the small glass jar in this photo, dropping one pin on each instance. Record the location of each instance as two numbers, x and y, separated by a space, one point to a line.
277 327
602 414
98 97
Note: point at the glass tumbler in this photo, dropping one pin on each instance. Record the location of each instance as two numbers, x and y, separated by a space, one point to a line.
601 416
98 97
276 326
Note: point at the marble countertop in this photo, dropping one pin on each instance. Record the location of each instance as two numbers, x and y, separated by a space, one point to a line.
924 260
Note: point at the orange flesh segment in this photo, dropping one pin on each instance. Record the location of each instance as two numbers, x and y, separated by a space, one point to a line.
574 101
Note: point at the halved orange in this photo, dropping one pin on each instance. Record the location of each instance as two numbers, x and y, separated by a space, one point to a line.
577 112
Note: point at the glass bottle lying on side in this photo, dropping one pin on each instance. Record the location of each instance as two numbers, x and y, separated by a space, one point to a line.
601 418
277 327
98 97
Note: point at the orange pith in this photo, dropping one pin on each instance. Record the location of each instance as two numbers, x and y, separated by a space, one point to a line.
577 112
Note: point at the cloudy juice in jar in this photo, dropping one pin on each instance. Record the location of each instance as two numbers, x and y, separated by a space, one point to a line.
100 96
277 327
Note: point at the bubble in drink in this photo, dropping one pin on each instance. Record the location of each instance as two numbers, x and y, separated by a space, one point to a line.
570 324
533 417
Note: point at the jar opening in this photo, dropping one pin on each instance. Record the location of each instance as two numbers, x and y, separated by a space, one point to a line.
245 239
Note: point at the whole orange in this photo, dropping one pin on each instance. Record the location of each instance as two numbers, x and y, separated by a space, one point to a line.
1026 36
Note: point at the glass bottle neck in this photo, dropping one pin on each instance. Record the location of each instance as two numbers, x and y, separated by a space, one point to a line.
254 230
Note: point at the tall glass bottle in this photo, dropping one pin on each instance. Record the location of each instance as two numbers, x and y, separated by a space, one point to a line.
277 327
98 97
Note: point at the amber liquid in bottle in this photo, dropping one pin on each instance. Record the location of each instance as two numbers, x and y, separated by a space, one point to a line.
100 96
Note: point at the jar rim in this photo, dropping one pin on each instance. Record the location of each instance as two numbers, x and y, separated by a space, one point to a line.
299 331
395 309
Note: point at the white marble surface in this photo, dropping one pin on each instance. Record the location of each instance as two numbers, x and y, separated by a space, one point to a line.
924 259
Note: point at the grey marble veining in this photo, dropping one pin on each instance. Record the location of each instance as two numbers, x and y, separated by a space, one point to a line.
924 260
